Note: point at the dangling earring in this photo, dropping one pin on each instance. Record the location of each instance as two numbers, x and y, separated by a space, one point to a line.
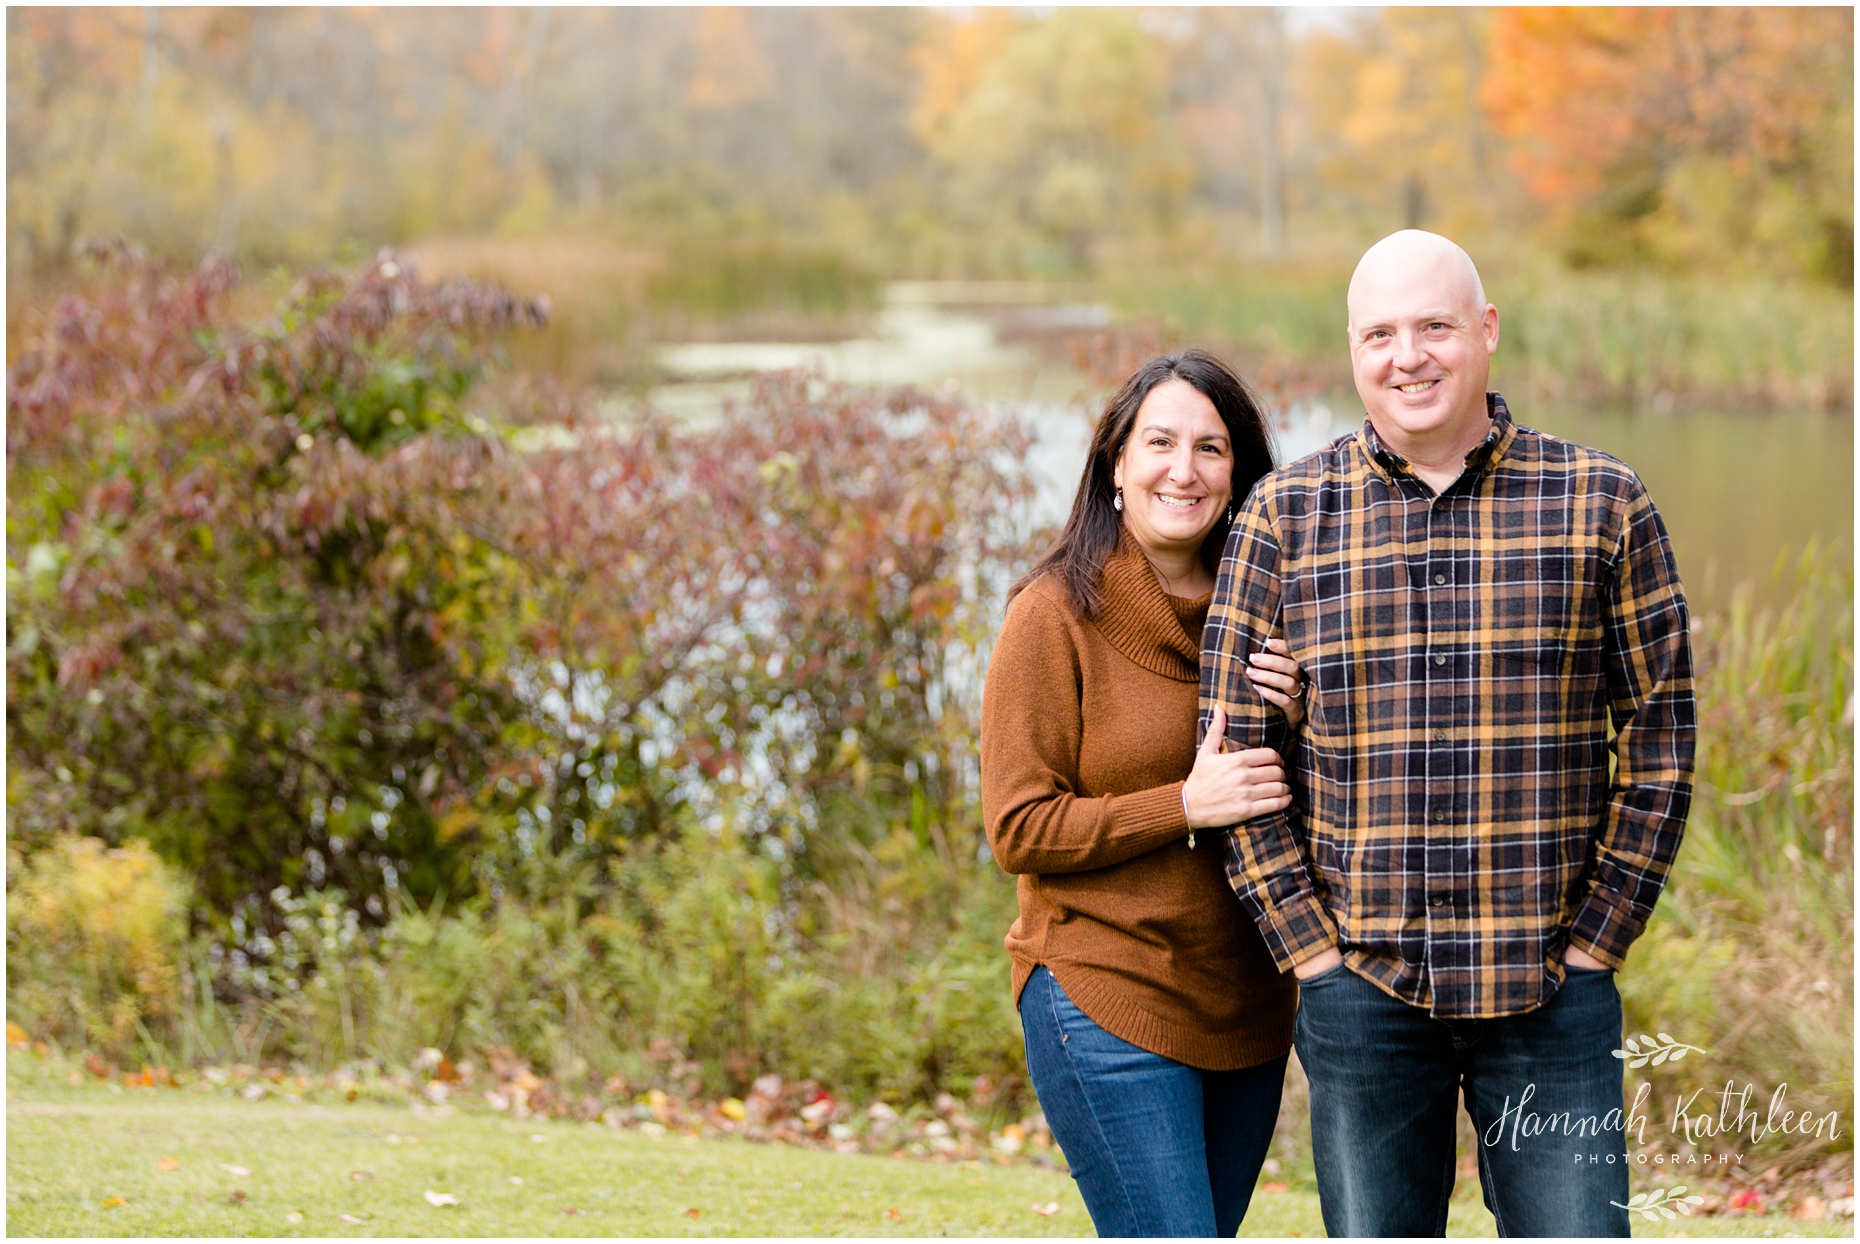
1230 516
1117 502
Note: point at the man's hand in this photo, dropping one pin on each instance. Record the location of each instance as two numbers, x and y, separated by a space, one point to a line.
1319 965
1573 958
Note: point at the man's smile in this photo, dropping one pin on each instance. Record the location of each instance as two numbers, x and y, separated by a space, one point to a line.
1417 386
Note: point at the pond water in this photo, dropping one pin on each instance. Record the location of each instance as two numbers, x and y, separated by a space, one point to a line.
1739 491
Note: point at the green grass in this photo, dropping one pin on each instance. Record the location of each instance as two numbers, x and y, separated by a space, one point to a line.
83 1160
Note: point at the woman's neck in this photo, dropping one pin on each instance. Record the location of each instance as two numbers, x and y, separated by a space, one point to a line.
1181 574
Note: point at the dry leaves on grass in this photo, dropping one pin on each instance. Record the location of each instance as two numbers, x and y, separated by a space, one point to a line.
1045 1211
351 1219
895 1214
236 1197
440 1199
167 1164
112 1202
237 1172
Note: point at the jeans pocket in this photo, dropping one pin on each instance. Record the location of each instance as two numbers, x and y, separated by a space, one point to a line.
1325 977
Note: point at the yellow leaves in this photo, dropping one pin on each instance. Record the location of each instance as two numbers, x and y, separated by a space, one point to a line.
167 1164
733 1108
15 1035
113 1202
950 65
460 820
1045 1211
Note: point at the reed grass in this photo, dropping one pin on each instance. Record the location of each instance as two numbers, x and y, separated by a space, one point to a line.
1643 336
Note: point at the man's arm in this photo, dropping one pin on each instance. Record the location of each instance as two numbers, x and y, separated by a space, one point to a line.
1265 856
1648 660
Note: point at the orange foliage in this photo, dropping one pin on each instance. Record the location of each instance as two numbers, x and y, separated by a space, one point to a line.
1581 90
951 64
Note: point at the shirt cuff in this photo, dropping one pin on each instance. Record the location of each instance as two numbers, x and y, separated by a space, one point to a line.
1605 926
1298 930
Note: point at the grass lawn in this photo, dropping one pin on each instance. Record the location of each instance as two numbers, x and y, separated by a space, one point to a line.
96 1161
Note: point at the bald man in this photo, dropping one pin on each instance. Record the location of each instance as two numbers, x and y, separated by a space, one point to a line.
1483 613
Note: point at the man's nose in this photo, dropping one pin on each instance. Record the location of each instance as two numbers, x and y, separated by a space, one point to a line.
1408 352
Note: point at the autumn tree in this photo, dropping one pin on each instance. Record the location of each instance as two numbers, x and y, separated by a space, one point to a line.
1684 136
1063 136
1392 108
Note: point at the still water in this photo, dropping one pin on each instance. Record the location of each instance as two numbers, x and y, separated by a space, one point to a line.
1740 492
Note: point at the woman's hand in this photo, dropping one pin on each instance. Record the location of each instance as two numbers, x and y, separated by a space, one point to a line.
1226 788
1279 680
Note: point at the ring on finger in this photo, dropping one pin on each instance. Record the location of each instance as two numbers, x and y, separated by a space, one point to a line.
1302 684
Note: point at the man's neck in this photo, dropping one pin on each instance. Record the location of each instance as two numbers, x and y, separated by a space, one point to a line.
1437 462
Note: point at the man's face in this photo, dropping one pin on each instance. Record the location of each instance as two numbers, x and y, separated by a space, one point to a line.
1421 346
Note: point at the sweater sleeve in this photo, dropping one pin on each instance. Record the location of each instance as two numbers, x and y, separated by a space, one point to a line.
1031 731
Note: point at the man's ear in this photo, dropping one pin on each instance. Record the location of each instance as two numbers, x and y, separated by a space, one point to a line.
1491 329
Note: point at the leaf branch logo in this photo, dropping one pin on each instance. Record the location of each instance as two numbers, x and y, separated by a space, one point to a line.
1660 1202
1639 1051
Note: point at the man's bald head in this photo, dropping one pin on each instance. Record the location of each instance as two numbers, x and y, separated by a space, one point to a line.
1421 340
1411 258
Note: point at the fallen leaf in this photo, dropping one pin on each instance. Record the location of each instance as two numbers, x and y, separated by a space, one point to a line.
754 1200
570 1209
516 1179
1045 1211
733 1108
361 1176
237 1172
15 1035
1273 1189
895 1214
438 1199
351 1219
539 1138
111 1202
295 1216
694 1213
167 1164
236 1197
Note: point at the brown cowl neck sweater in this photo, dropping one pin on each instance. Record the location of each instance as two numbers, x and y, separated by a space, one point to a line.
1088 733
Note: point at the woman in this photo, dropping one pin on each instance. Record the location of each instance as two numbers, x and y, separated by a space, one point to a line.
1157 1026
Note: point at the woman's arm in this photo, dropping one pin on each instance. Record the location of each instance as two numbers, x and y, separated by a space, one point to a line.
1031 732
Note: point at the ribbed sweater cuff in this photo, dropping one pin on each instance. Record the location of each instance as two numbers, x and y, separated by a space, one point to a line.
1152 817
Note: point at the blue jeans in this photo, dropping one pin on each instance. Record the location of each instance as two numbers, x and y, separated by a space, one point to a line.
1385 1081
1157 1148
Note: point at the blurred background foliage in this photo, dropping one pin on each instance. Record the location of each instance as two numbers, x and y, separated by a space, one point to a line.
371 686
756 172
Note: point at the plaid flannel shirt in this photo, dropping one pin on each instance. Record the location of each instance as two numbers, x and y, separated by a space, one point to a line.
1455 824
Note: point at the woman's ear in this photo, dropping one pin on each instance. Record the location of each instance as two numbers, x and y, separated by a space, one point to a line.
1117 472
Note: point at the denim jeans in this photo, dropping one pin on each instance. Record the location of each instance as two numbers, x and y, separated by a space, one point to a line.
1385 1081
1157 1147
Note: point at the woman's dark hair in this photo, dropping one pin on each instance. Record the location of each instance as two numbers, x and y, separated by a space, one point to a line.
1091 533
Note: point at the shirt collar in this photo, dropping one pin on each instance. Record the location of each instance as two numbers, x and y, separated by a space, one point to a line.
1386 463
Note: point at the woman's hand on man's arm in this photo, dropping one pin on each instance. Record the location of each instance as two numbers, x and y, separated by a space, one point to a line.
1226 788
1279 681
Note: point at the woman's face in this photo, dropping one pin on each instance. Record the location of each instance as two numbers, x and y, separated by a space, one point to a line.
1176 469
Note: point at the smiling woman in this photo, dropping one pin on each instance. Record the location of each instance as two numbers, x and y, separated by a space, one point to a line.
1156 1026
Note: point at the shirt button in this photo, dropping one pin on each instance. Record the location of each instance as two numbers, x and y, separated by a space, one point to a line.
1440 660
1437 900
1440 578
1440 736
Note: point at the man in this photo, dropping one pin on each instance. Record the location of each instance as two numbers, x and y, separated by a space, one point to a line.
1473 603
